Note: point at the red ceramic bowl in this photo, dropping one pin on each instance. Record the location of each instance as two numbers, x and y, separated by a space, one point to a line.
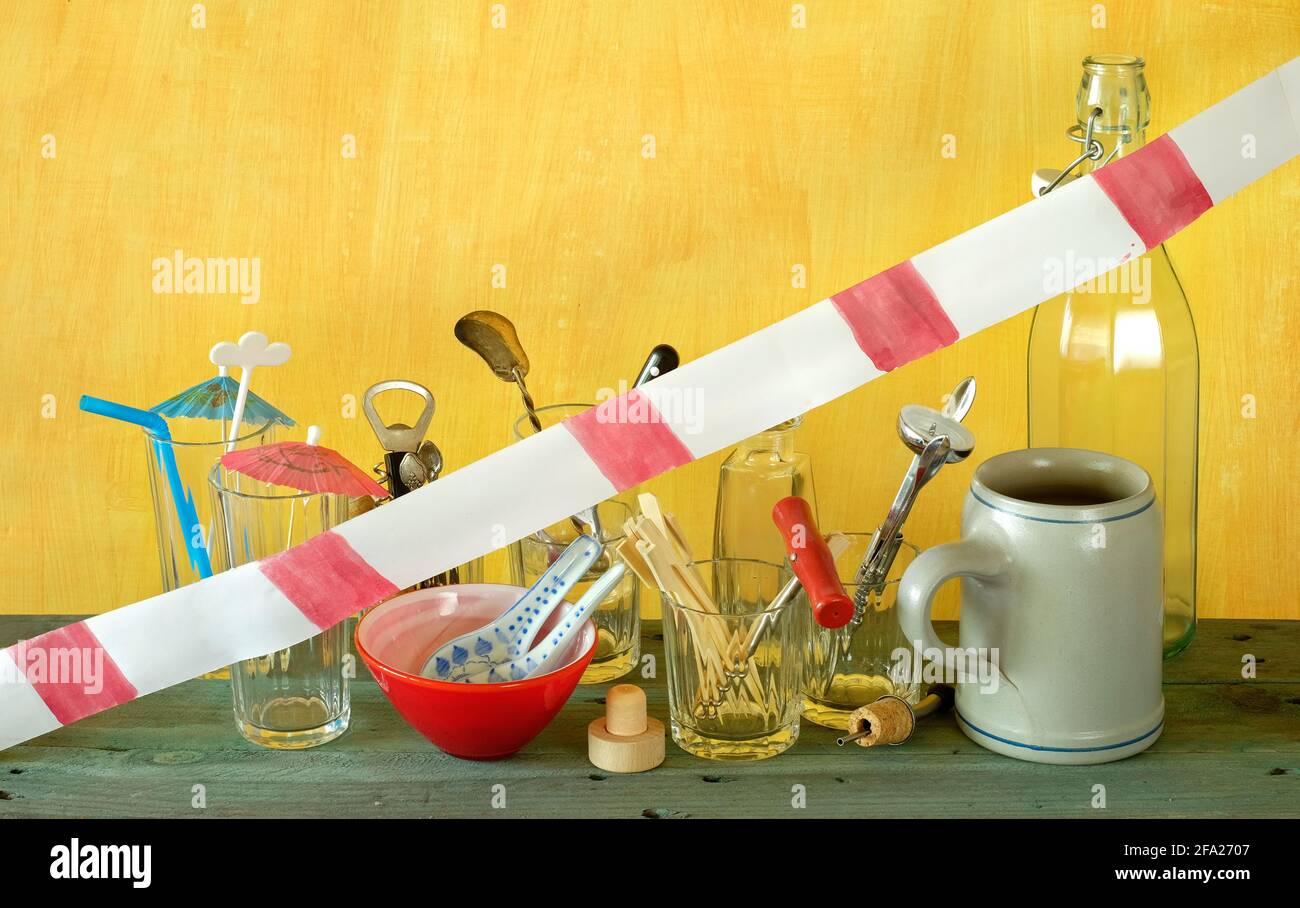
472 721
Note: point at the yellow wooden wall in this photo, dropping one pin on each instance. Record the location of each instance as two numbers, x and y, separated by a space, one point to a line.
522 146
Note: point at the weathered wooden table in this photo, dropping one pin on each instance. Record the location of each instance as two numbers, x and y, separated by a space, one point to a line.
1231 747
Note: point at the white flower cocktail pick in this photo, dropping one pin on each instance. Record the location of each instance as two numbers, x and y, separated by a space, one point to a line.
253 350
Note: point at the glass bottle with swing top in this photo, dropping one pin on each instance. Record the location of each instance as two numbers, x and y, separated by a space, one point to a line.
1113 362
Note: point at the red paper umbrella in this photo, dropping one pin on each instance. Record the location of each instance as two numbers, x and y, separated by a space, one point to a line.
304 466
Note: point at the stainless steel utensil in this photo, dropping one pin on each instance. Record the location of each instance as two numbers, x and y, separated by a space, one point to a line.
493 337
662 359
398 439
410 459
960 400
935 438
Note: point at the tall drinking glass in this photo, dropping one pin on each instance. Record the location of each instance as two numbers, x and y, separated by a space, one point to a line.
296 697
197 445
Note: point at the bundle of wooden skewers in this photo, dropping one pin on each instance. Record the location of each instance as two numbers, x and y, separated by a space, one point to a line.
656 550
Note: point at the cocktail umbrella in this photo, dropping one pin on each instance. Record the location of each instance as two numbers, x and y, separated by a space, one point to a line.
215 399
307 467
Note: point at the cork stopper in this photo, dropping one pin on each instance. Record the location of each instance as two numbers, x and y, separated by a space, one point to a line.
888 720
625 739
625 710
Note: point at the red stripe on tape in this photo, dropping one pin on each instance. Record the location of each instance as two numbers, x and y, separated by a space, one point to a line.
895 317
72 672
1155 189
628 440
326 579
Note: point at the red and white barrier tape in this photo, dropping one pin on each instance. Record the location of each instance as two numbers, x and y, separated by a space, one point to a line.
953 290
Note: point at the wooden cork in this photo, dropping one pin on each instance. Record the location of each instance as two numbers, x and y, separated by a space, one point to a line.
625 739
625 710
888 720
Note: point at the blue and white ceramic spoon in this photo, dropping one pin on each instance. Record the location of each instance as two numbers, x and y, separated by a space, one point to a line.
546 655
512 635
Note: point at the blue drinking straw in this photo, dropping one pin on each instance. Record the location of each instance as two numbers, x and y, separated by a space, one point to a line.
157 427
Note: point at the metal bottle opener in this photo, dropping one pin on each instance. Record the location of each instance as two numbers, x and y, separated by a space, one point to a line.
409 459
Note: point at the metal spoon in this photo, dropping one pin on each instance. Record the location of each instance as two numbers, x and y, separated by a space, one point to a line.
412 471
959 401
493 337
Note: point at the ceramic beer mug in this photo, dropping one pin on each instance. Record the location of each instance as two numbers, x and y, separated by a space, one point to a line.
1062 607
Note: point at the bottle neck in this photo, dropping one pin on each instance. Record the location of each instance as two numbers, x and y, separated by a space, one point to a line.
1115 84
778 440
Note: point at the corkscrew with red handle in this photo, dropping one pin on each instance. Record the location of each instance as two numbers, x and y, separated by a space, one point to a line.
813 562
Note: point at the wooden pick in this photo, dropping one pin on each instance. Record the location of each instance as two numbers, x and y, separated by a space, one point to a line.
649 531
678 538
628 552
661 572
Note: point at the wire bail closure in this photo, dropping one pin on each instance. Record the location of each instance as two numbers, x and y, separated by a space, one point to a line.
1092 149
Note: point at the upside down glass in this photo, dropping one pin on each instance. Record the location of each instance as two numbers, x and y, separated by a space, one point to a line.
295 697
856 664
734 675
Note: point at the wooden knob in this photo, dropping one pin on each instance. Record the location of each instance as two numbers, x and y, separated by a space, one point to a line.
625 739
625 710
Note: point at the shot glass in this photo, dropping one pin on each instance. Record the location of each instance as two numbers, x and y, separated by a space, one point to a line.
618 618
734 675
296 697
856 664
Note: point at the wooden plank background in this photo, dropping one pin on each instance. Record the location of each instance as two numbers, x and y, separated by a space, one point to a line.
1229 748
522 146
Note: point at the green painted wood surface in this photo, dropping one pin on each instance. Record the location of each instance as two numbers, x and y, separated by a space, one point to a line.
1231 747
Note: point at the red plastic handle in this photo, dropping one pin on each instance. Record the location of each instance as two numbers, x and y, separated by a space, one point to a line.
812 562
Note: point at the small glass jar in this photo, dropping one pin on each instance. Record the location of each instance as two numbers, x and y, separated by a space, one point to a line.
618 619
856 664
296 697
